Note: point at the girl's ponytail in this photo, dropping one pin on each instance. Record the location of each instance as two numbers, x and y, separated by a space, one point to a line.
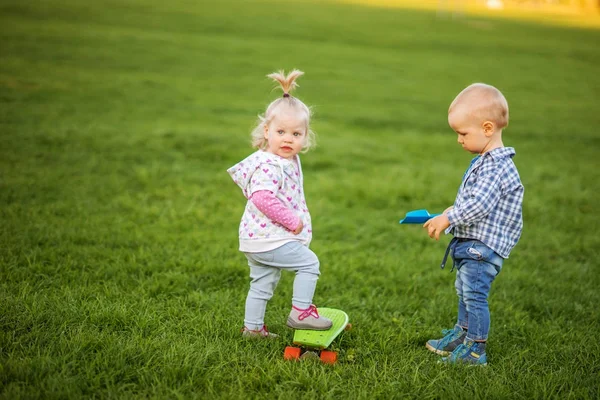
287 83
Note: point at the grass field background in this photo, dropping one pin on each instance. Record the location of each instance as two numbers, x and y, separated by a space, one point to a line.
119 270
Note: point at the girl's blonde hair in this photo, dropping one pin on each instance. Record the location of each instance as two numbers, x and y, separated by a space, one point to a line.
287 84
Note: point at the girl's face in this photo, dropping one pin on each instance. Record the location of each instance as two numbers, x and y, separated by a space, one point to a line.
286 133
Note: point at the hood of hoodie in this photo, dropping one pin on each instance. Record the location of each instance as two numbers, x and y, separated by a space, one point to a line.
242 172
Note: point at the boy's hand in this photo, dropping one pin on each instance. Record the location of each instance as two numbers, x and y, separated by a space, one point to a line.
437 225
299 228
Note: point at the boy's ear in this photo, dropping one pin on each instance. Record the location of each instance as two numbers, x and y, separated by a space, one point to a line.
488 128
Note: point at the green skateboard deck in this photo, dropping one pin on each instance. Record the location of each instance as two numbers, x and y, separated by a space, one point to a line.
322 339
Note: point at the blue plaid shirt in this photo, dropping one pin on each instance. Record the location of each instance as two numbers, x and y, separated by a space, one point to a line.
488 206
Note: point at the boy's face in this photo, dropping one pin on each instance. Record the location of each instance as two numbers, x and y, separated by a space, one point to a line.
474 136
286 133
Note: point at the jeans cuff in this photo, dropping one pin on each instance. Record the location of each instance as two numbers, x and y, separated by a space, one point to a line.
476 338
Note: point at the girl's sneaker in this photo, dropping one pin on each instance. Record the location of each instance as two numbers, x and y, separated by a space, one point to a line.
263 333
446 345
470 353
308 319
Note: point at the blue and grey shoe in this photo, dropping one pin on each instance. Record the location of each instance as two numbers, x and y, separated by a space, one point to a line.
451 340
470 353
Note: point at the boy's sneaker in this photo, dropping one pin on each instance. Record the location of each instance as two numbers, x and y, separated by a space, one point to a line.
451 340
263 333
470 353
308 319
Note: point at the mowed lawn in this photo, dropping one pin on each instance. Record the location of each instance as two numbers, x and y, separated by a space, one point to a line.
119 270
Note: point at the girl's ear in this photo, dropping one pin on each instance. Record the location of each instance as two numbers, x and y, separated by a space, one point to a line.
266 134
488 128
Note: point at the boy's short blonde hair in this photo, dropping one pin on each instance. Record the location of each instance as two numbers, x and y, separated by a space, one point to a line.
484 102
287 83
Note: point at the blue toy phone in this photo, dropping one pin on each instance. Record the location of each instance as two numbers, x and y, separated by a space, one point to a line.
417 217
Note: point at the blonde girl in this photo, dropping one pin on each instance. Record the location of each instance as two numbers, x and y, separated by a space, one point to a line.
275 230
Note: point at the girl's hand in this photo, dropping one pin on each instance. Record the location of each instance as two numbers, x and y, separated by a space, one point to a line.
436 225
299 228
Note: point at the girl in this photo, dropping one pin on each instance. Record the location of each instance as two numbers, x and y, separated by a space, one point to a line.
275 230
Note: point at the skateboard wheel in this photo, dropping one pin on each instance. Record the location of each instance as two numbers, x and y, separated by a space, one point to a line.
348 327
328 357
310 355
291 353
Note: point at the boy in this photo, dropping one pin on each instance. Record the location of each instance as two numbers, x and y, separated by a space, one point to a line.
486 219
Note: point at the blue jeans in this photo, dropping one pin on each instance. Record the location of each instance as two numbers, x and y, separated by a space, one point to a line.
265 271
477 266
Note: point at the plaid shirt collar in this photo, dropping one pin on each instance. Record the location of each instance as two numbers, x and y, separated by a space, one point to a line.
496 155
501 152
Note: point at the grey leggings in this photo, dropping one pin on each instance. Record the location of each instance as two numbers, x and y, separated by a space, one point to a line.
265 271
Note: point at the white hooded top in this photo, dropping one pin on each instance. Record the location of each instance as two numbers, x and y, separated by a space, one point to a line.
266 171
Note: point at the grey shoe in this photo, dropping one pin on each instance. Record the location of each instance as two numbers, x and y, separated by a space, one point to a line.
260 334
308 319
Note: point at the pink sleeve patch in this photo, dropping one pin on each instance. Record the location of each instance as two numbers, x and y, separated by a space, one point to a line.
274 209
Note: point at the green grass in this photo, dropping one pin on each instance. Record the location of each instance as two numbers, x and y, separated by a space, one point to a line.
119 270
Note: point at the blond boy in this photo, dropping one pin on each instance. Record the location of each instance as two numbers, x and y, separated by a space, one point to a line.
486 219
